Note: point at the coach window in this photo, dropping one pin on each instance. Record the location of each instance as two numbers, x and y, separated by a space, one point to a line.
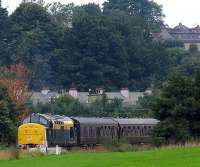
125 131
136 131
90 131
101 131
71 133
105 131
145 130
112 132
98 133
142 132
85 132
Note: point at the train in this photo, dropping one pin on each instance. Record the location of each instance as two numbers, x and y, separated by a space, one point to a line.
57 130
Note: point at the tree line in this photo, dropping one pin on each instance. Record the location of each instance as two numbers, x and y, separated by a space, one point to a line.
86 46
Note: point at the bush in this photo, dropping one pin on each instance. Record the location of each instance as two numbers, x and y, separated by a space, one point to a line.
193 48
118 146
15 153
157 141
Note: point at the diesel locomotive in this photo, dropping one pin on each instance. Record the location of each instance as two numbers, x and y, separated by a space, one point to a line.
50 130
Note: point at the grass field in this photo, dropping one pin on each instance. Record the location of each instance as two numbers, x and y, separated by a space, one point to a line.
187 157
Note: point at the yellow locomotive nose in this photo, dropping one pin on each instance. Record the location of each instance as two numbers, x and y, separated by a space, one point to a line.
31 134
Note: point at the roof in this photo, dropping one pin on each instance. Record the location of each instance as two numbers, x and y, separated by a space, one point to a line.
181 27
40 98
136 121
181 33
95 121
164 35
122 121
49 117
83 97
132 98
56 117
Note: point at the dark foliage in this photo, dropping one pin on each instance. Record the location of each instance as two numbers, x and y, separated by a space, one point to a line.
177 106
8 120
66 105
85 46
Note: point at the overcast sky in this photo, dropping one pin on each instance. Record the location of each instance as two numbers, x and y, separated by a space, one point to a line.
185 11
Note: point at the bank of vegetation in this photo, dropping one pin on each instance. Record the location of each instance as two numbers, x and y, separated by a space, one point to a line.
59 46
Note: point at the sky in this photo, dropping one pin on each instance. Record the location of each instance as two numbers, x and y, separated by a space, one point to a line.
176 11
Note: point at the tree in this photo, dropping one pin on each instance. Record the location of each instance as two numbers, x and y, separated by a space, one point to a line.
35 36
15 79
86 46
62 14
193 48
7 117
150 11
177 107
114 48
5 33
64 105
169 43
91 51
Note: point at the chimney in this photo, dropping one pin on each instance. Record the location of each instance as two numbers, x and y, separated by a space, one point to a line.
73 92
148 92
45 91
99 91
125 92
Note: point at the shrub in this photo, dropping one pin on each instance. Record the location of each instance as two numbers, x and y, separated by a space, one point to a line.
118 146
15 153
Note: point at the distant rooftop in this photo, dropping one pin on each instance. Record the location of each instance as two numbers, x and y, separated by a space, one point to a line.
125 95
181 33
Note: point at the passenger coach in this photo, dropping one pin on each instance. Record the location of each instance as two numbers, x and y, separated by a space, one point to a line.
95 130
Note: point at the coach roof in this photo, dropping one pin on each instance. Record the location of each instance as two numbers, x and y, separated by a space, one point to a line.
84 120
136 121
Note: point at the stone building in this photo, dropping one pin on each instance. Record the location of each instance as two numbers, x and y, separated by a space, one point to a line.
181 33
127 97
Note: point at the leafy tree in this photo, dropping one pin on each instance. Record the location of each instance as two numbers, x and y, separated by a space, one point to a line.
5 33
66 45
150 11
177 108
15 78
92 51
173 43
101 107
34 37
186 63
114 48
62 14
193 48
7 118
64 105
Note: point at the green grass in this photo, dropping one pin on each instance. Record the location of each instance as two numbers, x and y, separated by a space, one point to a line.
186 157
